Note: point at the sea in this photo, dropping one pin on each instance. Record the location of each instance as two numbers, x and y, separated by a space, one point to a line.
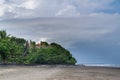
104 65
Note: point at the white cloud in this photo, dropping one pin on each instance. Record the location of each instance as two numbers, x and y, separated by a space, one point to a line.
2 11
69 10
29 4
48 8
2 8
16 8
43 39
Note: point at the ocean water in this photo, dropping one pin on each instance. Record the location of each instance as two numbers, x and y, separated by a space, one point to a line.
104 65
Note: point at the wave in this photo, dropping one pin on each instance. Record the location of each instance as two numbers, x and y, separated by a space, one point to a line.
104 65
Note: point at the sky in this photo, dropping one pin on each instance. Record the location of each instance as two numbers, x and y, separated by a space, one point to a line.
89 29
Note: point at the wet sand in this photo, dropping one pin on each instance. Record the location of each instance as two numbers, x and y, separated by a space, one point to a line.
58 73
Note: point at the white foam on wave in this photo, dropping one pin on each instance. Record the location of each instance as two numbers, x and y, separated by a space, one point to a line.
104 65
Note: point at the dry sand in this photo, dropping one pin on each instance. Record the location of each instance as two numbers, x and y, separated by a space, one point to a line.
58 73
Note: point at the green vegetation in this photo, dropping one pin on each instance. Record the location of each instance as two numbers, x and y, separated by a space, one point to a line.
19 51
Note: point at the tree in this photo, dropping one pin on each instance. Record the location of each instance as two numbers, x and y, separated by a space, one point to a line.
14 50
19 41
54 54
32 44
10 47
4 41
3 34
44 44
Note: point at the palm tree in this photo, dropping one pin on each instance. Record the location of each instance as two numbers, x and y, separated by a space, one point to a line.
3 45
3 34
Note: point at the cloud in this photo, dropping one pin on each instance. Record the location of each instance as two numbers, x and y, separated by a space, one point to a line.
2 11
69 30
47 8
14 9
87 37
29 4
2 8
69 10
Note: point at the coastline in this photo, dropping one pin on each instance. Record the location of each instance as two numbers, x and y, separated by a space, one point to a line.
67 66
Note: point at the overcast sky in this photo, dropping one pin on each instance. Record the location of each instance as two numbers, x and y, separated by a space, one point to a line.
88 28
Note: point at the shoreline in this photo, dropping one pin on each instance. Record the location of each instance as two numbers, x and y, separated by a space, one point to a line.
59 65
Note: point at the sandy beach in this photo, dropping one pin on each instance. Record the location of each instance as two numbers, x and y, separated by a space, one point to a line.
43 72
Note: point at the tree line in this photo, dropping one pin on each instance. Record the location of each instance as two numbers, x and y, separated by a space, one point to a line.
15 50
